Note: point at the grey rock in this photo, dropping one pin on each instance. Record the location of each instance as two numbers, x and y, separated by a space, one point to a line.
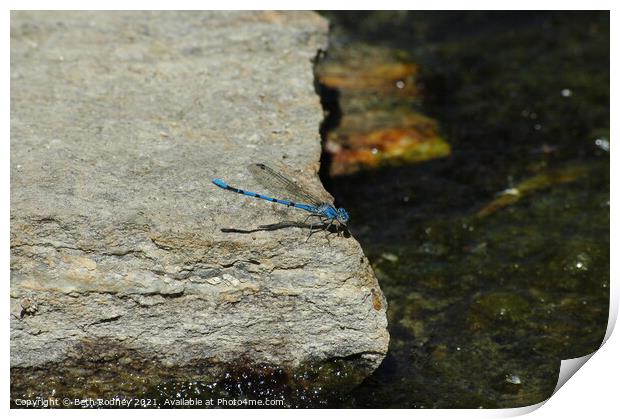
119 121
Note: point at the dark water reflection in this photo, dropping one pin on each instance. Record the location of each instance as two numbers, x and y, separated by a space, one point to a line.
482 309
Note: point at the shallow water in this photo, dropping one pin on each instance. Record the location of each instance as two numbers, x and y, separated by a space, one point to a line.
494 260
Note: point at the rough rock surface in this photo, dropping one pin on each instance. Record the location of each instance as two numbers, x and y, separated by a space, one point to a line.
119 121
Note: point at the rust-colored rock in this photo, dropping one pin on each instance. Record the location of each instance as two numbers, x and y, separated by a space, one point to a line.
363 68
377 95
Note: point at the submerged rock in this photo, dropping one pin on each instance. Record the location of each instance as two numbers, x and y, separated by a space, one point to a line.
374 93
121 274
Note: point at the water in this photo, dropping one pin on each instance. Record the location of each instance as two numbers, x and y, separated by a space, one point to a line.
488 292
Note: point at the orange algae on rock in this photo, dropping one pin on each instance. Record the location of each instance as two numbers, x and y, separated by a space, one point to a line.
377 92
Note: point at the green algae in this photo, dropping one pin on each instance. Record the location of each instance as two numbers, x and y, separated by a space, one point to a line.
207 384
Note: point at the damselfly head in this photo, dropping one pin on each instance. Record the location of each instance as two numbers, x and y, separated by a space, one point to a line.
343 215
